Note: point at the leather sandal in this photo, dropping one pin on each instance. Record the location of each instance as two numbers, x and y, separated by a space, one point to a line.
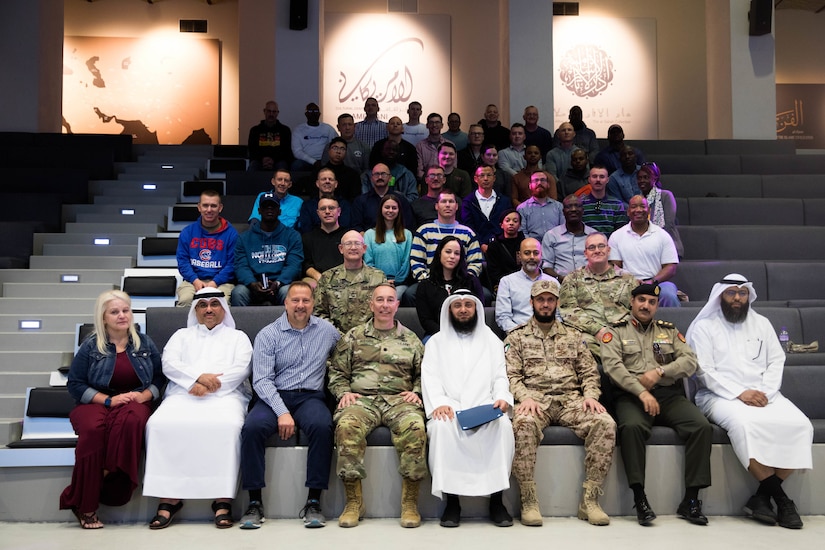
162 522
88 521
223 521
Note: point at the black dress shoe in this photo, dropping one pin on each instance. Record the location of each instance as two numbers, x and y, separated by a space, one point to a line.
786 514
452 513
644 513
691 510
759 507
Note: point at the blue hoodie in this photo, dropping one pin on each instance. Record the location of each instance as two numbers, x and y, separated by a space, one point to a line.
279 254
204 255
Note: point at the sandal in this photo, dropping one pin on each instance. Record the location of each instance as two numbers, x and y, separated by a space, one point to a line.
223 521
88 521
162 522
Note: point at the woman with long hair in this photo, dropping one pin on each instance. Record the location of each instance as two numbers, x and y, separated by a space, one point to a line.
115 377
448 273
662 203
389 244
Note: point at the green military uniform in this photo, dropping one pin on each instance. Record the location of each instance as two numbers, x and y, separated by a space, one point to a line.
556 370
379 365
629 350
588 301
343 296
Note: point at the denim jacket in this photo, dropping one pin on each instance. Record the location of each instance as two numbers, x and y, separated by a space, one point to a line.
91 371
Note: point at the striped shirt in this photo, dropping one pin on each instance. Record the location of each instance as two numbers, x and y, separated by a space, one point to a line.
605 215
426 240
284 358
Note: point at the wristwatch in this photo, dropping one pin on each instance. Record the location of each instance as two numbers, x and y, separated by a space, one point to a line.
108 402
661 371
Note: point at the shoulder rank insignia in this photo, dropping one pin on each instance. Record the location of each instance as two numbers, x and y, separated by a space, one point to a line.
607 337
621 322
665 324
681 337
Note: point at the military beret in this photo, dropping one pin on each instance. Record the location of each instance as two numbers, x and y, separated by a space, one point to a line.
648 289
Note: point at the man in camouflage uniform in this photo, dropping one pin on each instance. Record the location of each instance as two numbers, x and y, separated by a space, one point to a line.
343 293
555 381
596 295
647 359
375 373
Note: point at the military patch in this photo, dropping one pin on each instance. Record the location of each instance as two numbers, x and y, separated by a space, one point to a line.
506 347
681 337
607 337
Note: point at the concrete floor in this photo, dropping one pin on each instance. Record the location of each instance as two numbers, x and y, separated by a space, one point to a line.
669 532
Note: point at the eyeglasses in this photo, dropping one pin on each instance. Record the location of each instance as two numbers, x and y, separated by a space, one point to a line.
731 293
435 176
594 247
337 148
313 111
352 244
380 174
327 208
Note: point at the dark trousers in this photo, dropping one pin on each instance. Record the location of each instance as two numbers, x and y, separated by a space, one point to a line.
676 412
311 415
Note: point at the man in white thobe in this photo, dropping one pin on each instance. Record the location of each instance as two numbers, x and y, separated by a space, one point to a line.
739 375
463 367
193 439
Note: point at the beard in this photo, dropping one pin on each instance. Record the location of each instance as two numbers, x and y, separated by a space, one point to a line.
464 327
735 316
545 318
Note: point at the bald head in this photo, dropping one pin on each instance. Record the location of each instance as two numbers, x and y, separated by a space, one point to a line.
530 255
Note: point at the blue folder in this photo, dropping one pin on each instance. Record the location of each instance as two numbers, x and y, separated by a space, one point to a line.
476 416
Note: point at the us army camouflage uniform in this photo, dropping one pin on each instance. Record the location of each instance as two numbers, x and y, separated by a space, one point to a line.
588 302
343 297
558 372
628 351
379 365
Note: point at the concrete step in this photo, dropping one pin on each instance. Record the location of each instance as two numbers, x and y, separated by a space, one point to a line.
144 153
139 200
159 219
12 405
133 188
10 430
53 276
49 290
77 263
154 178
160 168
34 361
71 211
44 341
41 239
49 322
36 306
16 382
111 228
89 250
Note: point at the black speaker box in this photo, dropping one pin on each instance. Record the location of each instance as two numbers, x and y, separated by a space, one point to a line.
298 14
760 17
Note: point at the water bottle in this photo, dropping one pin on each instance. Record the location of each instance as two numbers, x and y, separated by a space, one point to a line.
785 339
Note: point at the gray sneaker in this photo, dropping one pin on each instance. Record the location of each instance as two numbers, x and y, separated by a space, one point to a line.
254 516
311 514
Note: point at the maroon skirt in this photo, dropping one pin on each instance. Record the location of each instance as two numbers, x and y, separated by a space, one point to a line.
109 440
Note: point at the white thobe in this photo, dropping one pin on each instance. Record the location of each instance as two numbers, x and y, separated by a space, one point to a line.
474 462
193 443
747 356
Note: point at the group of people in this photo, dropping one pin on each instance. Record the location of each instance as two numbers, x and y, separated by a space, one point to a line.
466 407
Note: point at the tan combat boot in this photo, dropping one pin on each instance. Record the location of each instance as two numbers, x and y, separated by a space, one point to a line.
530 512
354 509
589 508
409 503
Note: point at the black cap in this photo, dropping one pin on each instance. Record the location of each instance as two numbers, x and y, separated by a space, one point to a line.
648 289
269 197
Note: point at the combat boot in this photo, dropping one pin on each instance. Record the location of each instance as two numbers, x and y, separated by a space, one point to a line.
589 508
354 509
530 512
409 503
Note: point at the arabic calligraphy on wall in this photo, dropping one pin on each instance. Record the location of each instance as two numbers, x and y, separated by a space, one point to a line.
800 114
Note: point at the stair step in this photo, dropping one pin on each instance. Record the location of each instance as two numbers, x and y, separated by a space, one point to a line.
53 275
89 250
12 405
50 290
138 200
34 306
17 382
125 227
10 430
154 178
34 361
45 341
158 219
49 322
115 239
75 263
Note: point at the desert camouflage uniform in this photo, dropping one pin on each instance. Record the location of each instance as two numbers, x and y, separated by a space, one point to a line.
379 365
557 371
588 302
343 297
